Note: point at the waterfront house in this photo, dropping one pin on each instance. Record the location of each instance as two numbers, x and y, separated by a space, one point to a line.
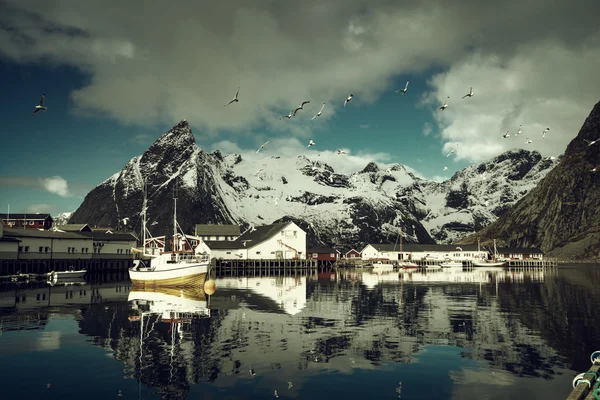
276 241
33 220
217 232
323 254
9 246
352 254
417 251
513 253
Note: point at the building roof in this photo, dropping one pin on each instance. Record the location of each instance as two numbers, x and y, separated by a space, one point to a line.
217 230
251 237
322 250
352 250
28 217
99 235
73 227
418 247
40 233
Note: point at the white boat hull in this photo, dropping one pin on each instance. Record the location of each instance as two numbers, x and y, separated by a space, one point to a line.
65 275
179 275
484 263
451 264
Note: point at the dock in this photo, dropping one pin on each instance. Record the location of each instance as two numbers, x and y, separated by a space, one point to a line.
264 267
585 391
511 264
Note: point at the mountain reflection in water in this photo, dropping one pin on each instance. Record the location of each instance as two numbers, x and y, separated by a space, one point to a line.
435 334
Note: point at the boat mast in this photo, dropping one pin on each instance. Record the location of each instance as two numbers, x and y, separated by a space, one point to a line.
174 216
144 218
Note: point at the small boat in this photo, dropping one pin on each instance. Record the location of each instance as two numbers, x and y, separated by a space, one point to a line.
451 264
494 262
66 275
408 265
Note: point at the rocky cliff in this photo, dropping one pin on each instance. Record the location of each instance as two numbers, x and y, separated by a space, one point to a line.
561 215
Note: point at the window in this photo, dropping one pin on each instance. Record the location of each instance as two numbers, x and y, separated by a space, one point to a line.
47 249
41 249
20 249
83 249
228 252
295 233
332 255
258 252
86 249
315 255
27 249
31 222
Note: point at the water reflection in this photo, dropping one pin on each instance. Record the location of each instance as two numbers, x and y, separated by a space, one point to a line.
258 336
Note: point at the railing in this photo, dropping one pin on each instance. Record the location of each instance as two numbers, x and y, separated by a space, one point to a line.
193 258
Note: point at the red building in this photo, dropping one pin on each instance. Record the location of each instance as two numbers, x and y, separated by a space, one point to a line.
352 254
323 254
36 221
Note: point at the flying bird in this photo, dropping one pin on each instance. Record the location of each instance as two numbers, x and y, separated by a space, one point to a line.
41 106
403 90
319 113
592 142
594 169
235 99
507 134
301 107
341 151
348 99
470 94
287 116
544 132
445 105
451 151
311 143
527 141
519 131
262 146
445 168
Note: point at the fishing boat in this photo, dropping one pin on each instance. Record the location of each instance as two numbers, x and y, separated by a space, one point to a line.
408 265
380 267
451 264
177 268
143 255
494 262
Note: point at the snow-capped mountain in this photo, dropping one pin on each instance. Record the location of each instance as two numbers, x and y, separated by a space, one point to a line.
371 205
62 218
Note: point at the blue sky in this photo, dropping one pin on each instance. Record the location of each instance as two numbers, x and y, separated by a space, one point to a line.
114 82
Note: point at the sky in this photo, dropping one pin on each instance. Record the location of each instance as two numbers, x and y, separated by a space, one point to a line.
116 75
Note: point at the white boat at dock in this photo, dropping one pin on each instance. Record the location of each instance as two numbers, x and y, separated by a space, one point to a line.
66 275
178 268
494 262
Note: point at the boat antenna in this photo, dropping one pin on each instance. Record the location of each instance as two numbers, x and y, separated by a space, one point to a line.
145 204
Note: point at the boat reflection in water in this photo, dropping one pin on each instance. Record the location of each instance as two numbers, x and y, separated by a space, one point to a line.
174 305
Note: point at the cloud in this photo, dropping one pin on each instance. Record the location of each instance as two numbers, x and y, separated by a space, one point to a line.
41 208
540 86
142 138
427 129
364 126
525 61
56 185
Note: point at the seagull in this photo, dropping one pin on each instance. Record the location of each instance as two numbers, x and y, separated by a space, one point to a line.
40 107
341 151
262 146
235 99
594 169
527 141
544 132
470 94
348 99
276 395
311 143
319 113
290 385
403 90
451 151
445 168
445 105
592 142
287 116
301 107
506 135
252 371
519 131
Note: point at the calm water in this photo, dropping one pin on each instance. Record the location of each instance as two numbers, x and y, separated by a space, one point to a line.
434 335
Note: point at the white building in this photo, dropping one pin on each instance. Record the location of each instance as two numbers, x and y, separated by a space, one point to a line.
412 251
8 246
438 252
277 241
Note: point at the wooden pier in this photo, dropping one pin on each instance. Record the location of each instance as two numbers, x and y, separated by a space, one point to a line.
511 264
264 267
583 391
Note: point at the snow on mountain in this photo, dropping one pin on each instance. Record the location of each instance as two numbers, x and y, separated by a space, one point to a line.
62 218
345 210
